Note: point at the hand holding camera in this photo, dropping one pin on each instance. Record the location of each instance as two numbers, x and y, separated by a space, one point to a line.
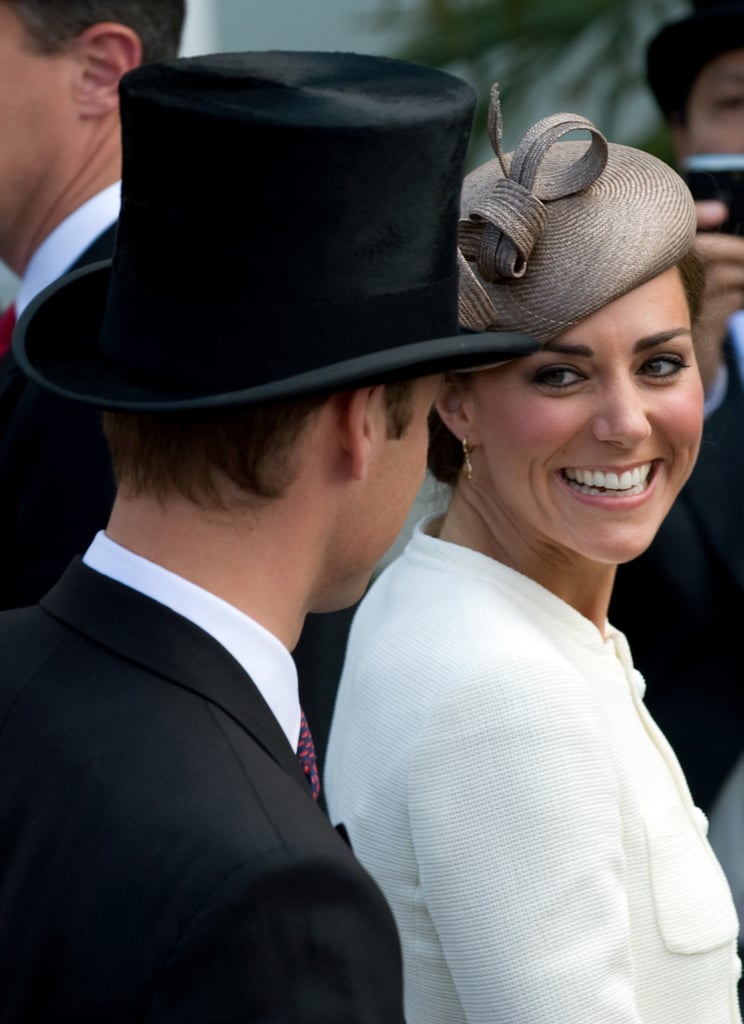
719 176
715 179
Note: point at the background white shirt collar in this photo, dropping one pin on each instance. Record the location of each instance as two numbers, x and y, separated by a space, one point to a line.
67 242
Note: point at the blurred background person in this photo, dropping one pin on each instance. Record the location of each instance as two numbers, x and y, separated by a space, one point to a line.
523 814
60 165
680 601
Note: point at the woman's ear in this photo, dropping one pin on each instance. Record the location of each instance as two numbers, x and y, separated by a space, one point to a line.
454 404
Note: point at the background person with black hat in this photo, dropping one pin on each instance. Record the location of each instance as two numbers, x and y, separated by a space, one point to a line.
266 342
684 632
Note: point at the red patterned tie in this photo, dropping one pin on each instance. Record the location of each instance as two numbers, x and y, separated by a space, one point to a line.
306 757
7 323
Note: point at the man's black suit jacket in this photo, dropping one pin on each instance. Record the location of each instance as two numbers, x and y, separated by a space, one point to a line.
681 605
161 857
56 485
56 492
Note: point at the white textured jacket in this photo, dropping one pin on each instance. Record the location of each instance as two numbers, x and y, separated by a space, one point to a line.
500 777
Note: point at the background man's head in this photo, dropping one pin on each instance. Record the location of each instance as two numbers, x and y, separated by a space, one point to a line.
695 68
60 67
52 27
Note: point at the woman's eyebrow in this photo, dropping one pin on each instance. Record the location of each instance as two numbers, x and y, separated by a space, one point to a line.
567 348
659 339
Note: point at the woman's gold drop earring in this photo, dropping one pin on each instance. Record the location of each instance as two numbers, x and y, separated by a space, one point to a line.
467 464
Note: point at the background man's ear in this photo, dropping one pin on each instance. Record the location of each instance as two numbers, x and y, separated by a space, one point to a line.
104 51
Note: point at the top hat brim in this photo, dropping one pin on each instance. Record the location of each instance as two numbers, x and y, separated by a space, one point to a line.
679 51
57 343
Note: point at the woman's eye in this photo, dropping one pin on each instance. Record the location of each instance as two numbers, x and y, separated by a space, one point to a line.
729 102
557 376
663 366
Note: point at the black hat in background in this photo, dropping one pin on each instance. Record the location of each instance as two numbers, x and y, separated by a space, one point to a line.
682 48
288 226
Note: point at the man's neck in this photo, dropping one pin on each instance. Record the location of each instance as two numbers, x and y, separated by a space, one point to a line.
67 242
63 190
255 562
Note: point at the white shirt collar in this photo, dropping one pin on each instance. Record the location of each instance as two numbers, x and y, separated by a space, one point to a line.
266 660
67 242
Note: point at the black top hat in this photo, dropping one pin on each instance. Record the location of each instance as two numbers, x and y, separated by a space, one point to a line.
681 49
288 226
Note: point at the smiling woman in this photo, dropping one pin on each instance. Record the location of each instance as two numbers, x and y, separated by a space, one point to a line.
525 817
578 451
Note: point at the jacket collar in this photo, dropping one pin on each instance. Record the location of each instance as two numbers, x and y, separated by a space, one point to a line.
166 644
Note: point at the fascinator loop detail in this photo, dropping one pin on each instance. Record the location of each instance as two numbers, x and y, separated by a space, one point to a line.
502 229
562 226
499 231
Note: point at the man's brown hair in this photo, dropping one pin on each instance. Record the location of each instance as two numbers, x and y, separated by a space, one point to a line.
190 454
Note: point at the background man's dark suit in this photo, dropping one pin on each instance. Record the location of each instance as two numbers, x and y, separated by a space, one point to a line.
681 605
56 486
128 729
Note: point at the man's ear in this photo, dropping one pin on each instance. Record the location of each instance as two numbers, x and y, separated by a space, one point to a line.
104 52
455 405
361 424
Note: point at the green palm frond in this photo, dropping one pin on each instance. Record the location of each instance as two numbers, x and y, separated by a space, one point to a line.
547 55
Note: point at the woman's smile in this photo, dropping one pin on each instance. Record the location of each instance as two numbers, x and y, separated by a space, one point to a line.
616 482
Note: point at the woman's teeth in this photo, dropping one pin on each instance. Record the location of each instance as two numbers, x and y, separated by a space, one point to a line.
597 481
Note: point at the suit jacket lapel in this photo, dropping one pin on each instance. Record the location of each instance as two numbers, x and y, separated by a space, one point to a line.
101 248
142 630
12 380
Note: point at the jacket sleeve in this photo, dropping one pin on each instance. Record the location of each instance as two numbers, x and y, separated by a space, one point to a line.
307 940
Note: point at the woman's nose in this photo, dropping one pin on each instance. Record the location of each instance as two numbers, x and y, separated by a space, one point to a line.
621 417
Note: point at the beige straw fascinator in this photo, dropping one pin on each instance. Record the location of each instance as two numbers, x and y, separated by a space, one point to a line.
559 228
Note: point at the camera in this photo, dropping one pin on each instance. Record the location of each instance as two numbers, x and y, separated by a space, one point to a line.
719 176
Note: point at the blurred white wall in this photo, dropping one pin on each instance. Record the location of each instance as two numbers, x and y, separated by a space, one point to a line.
287 25
200 29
